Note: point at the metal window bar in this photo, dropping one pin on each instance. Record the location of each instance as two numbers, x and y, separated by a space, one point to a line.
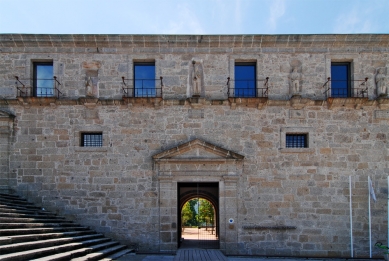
248 88
139 88
361 91
296 141
92 140
38 91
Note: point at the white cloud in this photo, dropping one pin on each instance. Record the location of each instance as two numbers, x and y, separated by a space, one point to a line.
277 10
352 22
183 22
238 13
363 19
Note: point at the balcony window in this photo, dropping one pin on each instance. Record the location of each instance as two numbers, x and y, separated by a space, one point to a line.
144 80
43 82
245 80
340 80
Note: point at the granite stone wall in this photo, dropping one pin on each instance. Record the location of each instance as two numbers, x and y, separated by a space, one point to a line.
284 201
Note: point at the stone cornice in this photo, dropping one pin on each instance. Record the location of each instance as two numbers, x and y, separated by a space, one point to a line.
260 103
194 41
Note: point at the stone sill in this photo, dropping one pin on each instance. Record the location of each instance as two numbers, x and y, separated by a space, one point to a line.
296 102
297 150
90 149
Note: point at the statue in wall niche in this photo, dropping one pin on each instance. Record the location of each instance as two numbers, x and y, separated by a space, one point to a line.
196 79
91 70
91 84
197 75
295 81
380 82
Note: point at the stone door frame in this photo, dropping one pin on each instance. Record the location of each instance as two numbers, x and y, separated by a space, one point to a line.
198 161
201 192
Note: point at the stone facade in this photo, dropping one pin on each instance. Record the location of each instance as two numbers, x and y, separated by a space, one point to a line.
284 201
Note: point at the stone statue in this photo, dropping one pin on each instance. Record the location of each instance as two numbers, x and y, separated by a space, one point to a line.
197 75
295 81
380 82
89 86
91 70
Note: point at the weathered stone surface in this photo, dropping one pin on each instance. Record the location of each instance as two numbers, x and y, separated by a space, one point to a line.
121 190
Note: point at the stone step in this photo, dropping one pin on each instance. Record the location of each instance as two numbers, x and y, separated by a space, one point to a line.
31 225
47 251
25 211
42 219
118 254
78 252
35 237
15 201
100 254
28 232
33 216
29 215
18 247
16 206
9 196
42 230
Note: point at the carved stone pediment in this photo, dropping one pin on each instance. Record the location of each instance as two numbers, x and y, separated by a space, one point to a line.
195 152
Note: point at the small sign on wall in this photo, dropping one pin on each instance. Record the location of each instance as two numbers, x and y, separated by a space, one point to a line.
381 114
297 114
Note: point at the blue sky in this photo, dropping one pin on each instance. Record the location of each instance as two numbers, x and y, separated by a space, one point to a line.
194 16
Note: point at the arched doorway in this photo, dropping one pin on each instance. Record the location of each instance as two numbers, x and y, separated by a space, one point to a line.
198 207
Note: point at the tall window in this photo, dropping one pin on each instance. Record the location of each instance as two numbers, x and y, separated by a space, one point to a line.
92 139
340 80
245 80
43 81
144 80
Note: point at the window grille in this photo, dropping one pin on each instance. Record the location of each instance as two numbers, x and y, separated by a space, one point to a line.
296 141
91 140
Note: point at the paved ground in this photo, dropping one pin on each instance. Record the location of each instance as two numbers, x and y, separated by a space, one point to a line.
134 257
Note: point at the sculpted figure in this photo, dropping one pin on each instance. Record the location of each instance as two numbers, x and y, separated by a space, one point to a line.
380 82
89 86
295 80
197 74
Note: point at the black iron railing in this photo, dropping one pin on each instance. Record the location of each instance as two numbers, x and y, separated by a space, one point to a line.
38 88
248 88
139 88
346 89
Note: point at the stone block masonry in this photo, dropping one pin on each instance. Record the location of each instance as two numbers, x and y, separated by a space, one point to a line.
283 201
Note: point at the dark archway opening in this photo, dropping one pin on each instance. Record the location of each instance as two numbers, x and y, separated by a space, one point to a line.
198 206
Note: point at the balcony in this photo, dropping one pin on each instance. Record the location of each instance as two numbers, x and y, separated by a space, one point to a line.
248 88
40 88
346 93
144 91
249 93
346 89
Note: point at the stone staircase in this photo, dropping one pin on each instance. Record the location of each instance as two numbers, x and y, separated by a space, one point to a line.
30 233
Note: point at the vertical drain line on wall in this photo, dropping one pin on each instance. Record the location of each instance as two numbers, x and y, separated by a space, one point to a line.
159 213
198 213
351 220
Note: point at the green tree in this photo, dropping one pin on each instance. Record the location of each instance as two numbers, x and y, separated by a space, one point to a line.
206 212
189 214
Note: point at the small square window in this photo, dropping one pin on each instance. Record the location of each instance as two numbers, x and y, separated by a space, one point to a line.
43 81
144 79
296 141
245 80
92 139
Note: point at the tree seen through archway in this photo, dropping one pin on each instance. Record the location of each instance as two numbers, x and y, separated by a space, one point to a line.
198 212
